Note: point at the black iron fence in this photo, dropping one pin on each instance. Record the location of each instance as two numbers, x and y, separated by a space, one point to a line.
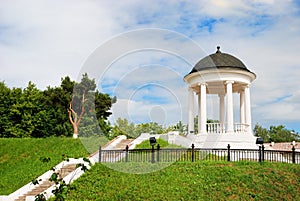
197 154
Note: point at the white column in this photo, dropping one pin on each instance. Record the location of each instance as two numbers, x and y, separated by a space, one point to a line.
203 108
229 106
242 106
199 110
191 111
248 106
222 108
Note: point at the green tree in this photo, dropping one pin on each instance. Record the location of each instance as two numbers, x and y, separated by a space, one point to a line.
182 128
196 124
25 111
156 128
275 134
82 101
5 104
259 131
125 128
89 109
281 134
207 121
152 128
14 115
56 103
31 112
103 103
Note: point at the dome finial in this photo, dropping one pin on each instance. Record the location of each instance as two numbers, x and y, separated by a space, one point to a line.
218 49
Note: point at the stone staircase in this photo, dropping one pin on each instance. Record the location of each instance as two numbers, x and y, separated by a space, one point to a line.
44 185
119 143
123 144
39 189
114 156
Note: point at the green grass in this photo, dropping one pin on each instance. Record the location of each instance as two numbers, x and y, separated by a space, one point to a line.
162 143
20 158
204 180
92 143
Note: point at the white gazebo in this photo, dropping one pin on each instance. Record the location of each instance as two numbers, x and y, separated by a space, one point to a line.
222 75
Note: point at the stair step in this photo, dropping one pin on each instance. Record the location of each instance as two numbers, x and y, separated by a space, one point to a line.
44 185
123 143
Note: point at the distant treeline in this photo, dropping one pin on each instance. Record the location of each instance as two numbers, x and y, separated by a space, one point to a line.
31 112
276 134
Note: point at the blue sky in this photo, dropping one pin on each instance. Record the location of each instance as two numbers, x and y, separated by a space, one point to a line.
43 41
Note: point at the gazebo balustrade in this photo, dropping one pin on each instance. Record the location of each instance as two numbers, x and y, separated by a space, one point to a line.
220 128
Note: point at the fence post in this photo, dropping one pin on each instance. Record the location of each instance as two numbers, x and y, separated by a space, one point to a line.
263 153
228 152
100 153
193 152
126 156
158 148
259 154
293 155
152 155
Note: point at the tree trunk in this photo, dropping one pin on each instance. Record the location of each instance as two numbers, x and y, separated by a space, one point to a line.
73 116
75 130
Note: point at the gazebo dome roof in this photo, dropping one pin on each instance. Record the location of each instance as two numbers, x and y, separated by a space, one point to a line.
219 60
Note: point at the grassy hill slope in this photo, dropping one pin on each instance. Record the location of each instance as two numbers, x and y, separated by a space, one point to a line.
21 159
191 181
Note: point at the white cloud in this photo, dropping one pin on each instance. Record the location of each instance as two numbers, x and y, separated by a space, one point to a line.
142 112
44 41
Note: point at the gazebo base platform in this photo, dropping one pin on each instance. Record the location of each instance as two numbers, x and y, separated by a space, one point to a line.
236 141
